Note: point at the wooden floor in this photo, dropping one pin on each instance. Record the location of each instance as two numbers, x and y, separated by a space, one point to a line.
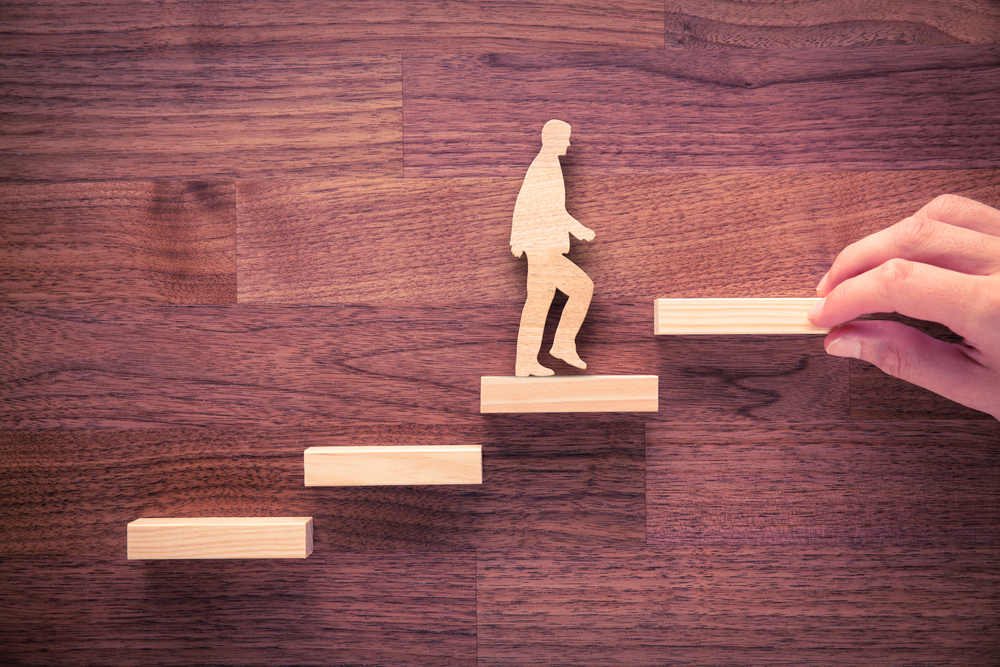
231 231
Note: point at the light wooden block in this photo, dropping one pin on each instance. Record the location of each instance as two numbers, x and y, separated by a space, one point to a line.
574 393
220 537
680 317
394 465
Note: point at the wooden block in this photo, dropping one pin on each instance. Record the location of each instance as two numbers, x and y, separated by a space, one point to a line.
574 393
59 500
220 537
679 317
394 465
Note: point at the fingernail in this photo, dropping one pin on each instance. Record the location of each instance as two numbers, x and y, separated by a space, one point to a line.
816 308
845 347
822 281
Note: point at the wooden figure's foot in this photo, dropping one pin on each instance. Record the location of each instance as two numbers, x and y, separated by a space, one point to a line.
524 370
568 354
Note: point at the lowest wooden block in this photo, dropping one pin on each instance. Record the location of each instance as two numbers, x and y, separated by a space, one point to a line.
220 537
394 465
575 393
678 317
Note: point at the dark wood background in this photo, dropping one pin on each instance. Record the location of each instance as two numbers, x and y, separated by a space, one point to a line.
233 230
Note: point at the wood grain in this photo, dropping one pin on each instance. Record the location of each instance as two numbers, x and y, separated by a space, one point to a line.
679 235
915 483
187 117
344 27
219 537
673 317
118 242
280 366
546 482
393 465
352 241
707 24
214 366
921 107
796 508
348 609
749 378
731 605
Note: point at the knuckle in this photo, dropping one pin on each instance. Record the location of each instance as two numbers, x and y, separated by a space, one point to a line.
894 274
946 206
913 233
895 362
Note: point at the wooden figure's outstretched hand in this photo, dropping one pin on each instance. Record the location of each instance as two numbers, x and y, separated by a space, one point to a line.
583 233
941 265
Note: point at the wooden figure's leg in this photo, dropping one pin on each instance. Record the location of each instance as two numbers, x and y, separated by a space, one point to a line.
579 289
529 335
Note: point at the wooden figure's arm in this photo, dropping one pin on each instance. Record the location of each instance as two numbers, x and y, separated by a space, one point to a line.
579 231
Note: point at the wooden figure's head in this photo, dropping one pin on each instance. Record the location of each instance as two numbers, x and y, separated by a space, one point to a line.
555 136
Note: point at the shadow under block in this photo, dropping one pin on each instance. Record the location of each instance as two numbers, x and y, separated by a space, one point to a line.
680 317
220 537
394 465
574 393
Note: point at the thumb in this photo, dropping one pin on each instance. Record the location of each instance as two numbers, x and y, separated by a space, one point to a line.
910 355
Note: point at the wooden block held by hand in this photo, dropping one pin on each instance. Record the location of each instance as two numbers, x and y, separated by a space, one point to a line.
685 317
570 393
394 465
220 537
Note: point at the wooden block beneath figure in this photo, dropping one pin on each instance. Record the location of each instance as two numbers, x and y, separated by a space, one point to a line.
394 465
220 537
685 317
573 393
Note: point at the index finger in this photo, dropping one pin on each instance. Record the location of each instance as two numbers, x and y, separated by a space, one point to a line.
965 304
945 232
917 239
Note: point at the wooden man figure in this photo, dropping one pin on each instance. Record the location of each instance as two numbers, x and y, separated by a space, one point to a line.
541 230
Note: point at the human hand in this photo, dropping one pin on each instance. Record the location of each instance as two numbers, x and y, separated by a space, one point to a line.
941 265
586 234
517 250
